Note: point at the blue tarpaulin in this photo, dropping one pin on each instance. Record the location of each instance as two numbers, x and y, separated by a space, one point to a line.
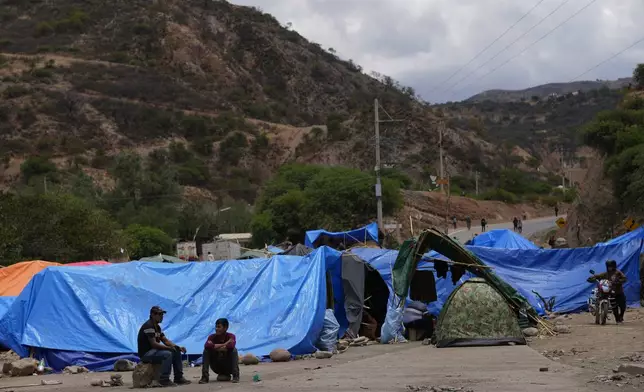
274 249
559 273
271 303
5 303
637 234
503 238
363 234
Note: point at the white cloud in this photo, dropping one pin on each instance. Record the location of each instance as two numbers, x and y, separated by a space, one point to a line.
423 42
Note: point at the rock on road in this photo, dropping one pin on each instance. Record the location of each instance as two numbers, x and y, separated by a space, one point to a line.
530 227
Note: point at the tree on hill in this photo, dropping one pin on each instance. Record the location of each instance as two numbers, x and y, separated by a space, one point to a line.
305 197
638 76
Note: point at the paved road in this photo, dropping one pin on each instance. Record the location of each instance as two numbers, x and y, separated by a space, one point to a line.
529 227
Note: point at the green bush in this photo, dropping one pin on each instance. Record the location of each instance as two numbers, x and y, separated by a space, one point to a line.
143 241
500 195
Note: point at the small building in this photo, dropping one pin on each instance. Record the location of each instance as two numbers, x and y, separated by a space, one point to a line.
227 246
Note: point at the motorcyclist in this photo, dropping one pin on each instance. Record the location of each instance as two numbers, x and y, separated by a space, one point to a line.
617 280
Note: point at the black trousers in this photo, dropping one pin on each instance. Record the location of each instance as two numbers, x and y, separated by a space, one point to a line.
224 363
620 307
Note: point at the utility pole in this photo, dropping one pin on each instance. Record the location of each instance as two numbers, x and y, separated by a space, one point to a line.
377 121
440 151
563 171
45 183
376 106
476 179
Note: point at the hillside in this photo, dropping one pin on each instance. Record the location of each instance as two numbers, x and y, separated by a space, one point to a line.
548 90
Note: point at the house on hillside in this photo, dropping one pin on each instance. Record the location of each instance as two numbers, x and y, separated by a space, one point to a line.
227 246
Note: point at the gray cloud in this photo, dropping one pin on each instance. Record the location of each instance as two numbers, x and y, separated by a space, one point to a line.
422 42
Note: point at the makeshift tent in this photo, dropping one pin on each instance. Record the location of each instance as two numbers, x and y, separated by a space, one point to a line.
316 238
87 263
271 303
254 254
503 238
635 235
15 277
476 314
5 304
353 283
163 259
297 250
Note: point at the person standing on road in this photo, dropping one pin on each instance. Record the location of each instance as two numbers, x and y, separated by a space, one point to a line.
483 224
556 210
515 222
468 222
617 280
454 221
520 226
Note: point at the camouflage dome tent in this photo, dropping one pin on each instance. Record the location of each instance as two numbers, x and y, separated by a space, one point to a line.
476 314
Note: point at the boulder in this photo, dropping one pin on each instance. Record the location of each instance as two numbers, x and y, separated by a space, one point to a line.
6 368
116 380
633 369
280 355
342 345
124 365
530 332
249 359
75 370
323 354
23 367
562 328
144 374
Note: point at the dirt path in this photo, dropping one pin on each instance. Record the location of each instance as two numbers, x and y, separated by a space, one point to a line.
599 349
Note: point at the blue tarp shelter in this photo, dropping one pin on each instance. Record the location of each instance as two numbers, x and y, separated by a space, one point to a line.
637 234
503 238
559 273
271 303
5 303
313 238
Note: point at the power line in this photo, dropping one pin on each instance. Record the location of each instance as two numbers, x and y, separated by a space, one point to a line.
607 60
563 3
490 45
529 46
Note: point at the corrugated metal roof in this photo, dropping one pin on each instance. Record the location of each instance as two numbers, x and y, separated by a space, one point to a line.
235 237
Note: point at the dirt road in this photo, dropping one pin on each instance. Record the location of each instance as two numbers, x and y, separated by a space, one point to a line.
408 367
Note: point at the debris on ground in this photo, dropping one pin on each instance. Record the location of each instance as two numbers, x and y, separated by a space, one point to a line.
75 370
116 380
323 354
124 365
280 355
543 369
427 342
361 341
9 356
427 388
21 367
530 332
249 359
562 328
633 369
637 357
553 354
144 374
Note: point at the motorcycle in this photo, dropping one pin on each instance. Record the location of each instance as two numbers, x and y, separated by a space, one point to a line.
601 301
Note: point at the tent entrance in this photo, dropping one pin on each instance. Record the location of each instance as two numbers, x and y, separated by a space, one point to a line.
423 287
376 297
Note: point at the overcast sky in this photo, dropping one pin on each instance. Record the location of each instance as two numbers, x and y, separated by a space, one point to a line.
423 42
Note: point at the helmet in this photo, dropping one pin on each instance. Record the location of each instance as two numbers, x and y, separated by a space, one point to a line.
611 264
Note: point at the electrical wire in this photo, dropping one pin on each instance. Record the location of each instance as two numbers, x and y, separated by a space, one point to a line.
606 60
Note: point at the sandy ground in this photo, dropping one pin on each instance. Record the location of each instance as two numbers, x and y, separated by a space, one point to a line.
598 349
406 367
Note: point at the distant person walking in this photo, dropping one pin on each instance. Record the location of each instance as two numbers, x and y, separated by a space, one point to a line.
515 222
211 257
468 222
556 210
483 224
520 226
454 221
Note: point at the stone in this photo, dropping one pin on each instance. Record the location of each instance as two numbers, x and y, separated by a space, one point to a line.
562 328
116 380
23 367
6 368
543 369
323 354
361 341
427 342
144 374
342 345
124 365
75 370
249 359
531 332
631 368
280 355
96 383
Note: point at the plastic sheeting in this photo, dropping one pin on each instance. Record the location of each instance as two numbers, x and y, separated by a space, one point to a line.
393 329
503 238
637 234
271 303
364 234
562 273
329 334
87 263
15 277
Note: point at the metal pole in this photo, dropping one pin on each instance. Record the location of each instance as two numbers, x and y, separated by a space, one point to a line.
476 178
378 183
563 172
440 152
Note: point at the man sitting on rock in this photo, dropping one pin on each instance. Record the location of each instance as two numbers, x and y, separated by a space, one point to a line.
220 355
156 349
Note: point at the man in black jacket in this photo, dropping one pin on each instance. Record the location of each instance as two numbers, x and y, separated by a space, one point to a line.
617 280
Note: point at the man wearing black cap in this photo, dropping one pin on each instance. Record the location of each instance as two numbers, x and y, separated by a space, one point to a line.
155 348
